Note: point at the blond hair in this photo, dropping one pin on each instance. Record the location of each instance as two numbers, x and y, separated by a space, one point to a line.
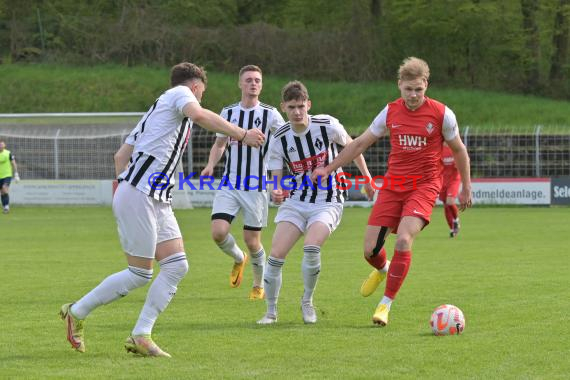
250 68
413 68
294 90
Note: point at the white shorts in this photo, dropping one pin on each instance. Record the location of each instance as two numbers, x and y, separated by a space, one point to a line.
303 214
254 205
142 221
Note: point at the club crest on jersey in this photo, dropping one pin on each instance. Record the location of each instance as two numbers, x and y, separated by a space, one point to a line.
257 122
429 128
318 143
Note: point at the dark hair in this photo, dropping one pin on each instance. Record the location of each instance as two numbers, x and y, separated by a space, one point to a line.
186 71
294 90
249 68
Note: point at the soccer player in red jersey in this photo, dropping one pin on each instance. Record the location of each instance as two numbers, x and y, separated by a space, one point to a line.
449 190
417 127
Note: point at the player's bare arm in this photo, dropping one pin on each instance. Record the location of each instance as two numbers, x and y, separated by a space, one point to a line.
14 166
360 163
215 154
122 157
349 153
277 192
15 170
463 165
216 123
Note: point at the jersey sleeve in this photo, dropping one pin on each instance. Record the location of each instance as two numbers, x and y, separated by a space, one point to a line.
340 135
378 127
275 155
12 157
224 115
449 128
132 137
181 96
276 121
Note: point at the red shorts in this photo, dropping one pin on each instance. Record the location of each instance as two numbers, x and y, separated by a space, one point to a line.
450 189
391 206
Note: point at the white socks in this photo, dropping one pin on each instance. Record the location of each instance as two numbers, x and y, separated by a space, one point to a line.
258 266
386 301
230 248
113 287
311 267
272 280
172 271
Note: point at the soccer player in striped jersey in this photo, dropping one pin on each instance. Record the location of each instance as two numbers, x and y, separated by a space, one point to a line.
449 189
304 143
417 127
148 229
242 188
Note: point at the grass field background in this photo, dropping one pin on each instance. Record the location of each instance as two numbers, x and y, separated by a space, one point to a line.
508 271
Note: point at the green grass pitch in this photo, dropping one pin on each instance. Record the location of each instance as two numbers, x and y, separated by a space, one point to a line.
508 271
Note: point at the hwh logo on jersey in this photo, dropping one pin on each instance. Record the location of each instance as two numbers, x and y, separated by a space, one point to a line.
412 141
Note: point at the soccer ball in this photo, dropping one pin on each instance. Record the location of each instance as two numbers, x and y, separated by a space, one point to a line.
447 320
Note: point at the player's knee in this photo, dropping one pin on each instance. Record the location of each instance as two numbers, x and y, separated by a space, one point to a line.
219 235
253 244
404 242
278 253
139 277
181 268
176 270
372 247
369 249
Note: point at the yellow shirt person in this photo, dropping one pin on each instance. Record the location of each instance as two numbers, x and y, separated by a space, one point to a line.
8 169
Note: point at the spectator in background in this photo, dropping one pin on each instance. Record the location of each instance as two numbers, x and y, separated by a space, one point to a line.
8 170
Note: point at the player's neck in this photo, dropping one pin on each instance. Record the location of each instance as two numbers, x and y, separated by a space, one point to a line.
299 128
416 107
249 102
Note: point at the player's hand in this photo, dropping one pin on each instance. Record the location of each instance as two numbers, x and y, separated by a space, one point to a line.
16 177
323 173
207 172
277 196
465 200
369 191
254 138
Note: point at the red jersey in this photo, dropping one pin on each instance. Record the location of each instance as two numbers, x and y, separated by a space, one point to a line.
416 139
450 172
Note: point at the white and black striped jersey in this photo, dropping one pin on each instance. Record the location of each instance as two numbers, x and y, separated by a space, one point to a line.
315 147
159 139
245 166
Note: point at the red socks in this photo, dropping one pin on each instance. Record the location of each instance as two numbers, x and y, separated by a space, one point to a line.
451 213
377 261
399 267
